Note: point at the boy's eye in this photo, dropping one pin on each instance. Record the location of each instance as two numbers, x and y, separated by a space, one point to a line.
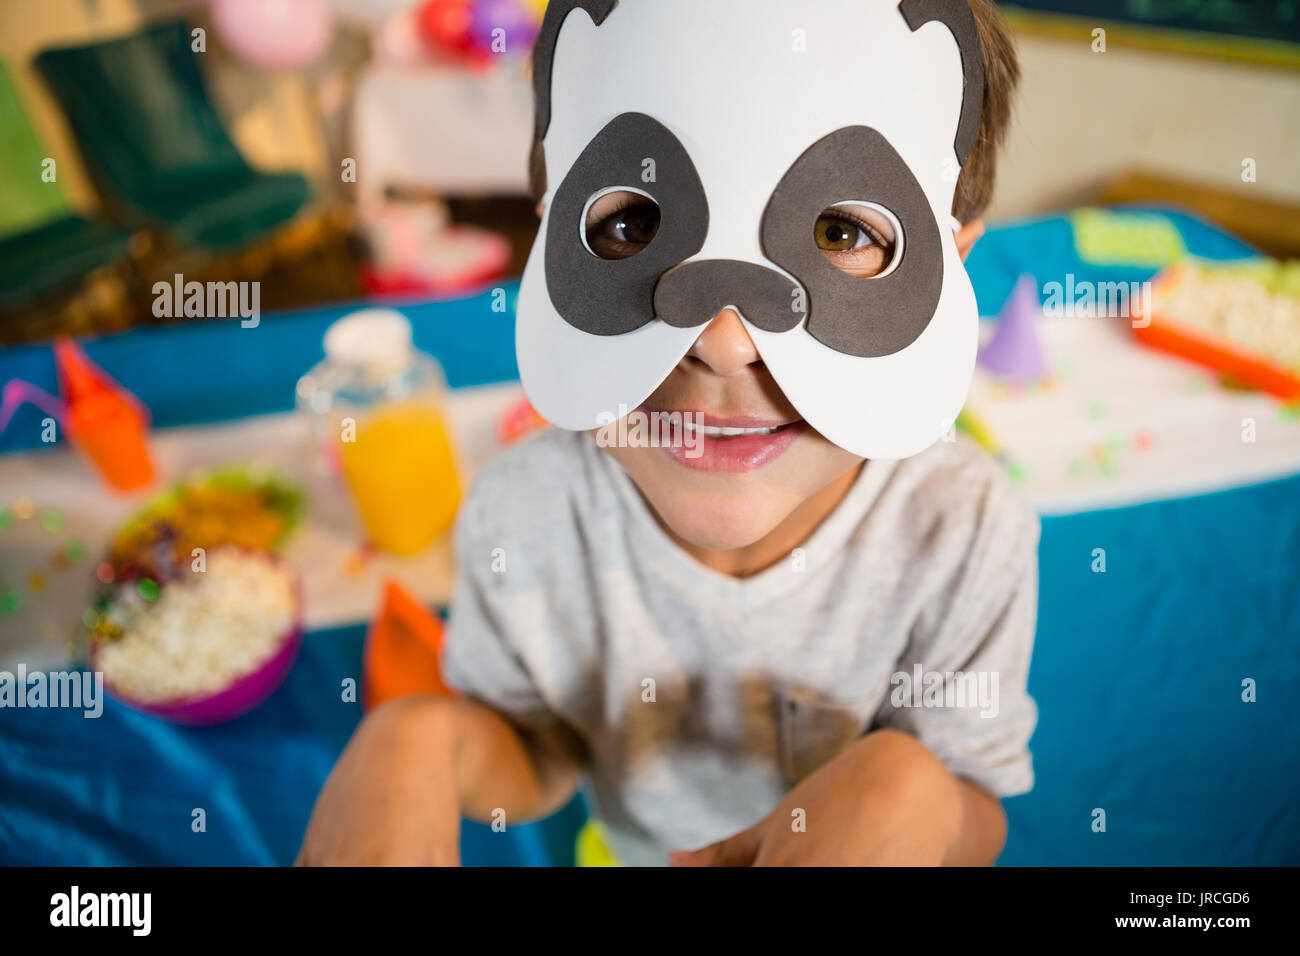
620 224
859 239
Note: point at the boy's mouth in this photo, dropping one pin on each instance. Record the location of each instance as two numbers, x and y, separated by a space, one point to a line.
729 444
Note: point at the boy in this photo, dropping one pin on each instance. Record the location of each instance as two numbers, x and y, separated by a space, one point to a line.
798 630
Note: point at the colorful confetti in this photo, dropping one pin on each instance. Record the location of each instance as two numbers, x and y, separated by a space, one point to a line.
104 572
75 551
148 589
1097 410
23 508
36 581
6 518
51 521
10 602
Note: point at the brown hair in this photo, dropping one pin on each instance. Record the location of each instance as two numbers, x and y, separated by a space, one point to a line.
975 184
1001 74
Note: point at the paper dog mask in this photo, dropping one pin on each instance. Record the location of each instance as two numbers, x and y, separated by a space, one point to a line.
742 121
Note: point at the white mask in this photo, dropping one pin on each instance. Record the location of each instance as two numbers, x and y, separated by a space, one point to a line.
742 121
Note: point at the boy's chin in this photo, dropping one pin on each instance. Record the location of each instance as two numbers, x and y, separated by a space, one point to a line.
718 523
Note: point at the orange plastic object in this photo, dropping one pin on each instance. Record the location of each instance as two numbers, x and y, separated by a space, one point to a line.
1242 367
518 421
402 650
105 421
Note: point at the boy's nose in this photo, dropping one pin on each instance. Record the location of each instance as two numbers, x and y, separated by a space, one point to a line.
724 345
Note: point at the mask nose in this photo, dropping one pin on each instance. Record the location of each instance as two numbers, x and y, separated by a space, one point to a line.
692 294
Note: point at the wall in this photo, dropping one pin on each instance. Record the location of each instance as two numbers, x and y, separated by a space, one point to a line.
1084 117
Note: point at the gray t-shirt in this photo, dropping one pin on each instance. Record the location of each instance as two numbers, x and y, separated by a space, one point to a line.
700 699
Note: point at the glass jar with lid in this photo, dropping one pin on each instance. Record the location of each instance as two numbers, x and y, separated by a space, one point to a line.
377 412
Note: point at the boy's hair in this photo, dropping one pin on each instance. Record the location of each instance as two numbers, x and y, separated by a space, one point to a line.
975 184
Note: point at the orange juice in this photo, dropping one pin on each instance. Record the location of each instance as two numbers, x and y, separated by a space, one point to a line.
402 473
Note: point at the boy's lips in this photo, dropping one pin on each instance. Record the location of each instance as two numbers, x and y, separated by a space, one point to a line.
728 443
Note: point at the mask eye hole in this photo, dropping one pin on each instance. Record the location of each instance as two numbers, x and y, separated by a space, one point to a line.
619 222
861 239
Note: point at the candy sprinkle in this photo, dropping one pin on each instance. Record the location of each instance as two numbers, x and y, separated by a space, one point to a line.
90 618
36 581
23 507
6 518
148 589
75 551
10 601
104 572
51 521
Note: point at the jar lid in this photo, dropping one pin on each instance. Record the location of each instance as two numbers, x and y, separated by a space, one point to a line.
370 338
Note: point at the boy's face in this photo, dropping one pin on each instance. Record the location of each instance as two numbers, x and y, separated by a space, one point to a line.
726 492
723 492
780 262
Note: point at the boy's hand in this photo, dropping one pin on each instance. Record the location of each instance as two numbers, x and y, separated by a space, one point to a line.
391 800
416 765
885 801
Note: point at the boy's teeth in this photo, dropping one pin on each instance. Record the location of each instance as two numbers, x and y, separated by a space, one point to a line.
715 431
718 431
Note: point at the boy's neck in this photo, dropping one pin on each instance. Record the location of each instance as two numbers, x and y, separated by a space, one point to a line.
793 531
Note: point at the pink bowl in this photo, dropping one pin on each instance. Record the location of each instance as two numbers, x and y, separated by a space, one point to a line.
234 700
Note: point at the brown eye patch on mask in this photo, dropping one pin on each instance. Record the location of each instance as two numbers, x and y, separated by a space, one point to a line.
866 317
616 296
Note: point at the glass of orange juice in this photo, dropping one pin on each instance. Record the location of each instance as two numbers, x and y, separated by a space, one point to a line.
378 414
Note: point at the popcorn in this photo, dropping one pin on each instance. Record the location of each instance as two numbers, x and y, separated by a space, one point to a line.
205 631
1249 308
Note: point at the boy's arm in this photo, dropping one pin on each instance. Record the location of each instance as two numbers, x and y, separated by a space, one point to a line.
885 801
415 766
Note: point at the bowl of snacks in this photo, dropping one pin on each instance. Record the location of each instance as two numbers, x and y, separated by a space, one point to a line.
198 620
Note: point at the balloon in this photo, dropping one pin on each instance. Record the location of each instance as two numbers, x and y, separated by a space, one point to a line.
274 34
443 25
502 26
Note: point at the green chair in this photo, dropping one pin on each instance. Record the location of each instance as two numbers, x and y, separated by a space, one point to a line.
156 147
45 248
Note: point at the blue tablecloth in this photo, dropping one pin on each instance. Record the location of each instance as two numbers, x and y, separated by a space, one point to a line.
1138 672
